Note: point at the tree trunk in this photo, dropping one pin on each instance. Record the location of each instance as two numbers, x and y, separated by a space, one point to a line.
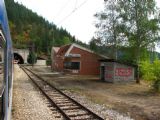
137 61
137 79
137 41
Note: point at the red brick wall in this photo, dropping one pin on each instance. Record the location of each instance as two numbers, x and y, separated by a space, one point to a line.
89 64
57 62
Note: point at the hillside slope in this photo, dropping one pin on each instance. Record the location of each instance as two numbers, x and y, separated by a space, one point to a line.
29 28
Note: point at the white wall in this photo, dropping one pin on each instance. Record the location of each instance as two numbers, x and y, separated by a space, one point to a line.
41 62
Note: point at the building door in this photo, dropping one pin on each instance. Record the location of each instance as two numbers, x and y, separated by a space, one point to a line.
102 73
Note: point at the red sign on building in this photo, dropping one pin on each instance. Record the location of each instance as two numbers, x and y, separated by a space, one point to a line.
125 72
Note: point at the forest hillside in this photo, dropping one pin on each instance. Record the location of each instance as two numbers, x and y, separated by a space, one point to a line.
27 28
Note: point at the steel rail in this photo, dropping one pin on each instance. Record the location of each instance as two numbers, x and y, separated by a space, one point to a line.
50 100
71 99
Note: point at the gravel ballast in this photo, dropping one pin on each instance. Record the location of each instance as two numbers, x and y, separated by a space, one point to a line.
28 102
101 110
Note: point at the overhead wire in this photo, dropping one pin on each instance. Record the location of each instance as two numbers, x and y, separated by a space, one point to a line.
76 3
62 8
74 10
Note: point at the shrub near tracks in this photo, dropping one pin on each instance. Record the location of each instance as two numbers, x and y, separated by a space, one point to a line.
151 72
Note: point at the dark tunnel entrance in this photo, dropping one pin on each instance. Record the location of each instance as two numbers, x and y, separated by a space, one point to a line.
18 58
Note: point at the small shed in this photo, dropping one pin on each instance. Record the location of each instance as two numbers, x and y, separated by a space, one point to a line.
116 71
41 61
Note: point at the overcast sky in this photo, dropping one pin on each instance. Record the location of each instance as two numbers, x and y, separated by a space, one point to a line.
74 15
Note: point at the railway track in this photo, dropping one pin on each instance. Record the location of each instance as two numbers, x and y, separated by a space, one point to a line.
64 106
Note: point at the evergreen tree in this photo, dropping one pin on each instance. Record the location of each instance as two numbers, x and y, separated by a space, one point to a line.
31 58
26 27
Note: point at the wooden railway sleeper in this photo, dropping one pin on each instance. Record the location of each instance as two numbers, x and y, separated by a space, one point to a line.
63 109
69 108
78 114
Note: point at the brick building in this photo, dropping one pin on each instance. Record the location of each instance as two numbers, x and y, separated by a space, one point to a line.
75 59
117 71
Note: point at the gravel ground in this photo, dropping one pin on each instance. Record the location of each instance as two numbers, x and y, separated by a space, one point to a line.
35 108
28 103
101 110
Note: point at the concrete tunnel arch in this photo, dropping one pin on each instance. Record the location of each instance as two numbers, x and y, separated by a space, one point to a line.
19 58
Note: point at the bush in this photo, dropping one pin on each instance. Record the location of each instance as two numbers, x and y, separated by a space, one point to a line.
32 58
48 62
151 71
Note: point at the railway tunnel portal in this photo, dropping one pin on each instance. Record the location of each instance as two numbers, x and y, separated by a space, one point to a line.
20 55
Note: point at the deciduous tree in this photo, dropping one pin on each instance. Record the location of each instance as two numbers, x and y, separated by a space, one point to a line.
141 24
108 26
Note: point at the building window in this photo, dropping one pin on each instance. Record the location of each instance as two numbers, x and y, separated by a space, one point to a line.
72 65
